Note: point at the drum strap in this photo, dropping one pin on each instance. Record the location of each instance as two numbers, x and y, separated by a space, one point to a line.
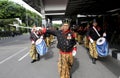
96 31
35 34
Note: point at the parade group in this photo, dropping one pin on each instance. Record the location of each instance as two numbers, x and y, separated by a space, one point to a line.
67 39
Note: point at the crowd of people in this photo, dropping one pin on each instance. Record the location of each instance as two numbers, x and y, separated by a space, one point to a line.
67 43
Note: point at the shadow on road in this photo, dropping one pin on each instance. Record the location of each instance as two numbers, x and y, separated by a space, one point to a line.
75 65
49 53
112 64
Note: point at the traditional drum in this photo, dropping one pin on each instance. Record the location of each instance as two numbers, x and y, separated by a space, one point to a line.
102 47
41 47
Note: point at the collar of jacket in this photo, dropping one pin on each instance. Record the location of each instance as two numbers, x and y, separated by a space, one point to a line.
65 32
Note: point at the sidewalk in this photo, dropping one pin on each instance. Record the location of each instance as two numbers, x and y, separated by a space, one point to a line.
114 51
3 38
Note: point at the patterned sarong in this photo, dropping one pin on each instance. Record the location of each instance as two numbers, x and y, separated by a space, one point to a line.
47 40
33 52
86 42
64 65
93 50
80 39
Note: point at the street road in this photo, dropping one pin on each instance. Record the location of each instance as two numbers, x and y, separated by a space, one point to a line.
15 62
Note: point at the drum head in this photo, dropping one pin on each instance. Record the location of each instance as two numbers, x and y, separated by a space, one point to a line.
38 41
100 41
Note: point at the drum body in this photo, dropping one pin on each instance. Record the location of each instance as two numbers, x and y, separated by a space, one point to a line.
102 47
41 47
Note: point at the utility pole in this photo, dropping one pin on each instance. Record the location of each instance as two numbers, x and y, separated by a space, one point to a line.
43 13
26 21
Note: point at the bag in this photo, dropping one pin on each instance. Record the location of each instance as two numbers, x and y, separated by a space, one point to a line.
41 47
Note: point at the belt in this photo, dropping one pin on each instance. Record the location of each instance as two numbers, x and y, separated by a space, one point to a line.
65 52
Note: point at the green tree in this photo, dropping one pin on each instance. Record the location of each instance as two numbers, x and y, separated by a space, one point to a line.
10 9
56 25
4 24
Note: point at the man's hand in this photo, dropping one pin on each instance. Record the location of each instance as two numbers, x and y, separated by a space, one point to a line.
91 40
32 42
74 52
104 34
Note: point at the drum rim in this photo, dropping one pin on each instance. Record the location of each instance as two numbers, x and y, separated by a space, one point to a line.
98 41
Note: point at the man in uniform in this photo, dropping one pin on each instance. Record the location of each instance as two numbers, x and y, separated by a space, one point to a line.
33 37
86 41
67 47
93 36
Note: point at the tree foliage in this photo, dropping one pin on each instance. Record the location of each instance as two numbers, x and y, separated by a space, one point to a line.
57 25
10 10
33 18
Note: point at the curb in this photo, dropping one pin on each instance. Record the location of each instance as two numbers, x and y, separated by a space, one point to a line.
3 38
115 53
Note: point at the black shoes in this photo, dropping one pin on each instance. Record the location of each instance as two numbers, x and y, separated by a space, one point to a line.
93 60
38 58
33 61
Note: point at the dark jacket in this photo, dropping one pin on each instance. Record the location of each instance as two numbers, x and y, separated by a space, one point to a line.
64 44
33 36
92 33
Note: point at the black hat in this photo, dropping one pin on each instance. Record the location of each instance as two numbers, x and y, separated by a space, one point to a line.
66 20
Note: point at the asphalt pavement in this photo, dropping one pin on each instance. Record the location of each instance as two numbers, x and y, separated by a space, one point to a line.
15 62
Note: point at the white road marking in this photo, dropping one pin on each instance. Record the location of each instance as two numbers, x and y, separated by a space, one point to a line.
13 55
10 42
23 56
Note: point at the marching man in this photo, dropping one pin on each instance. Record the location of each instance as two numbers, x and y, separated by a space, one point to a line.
33 52
67 49
93 34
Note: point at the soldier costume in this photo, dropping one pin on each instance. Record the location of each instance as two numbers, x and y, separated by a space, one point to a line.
93 36
86 41
33 53
66 45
